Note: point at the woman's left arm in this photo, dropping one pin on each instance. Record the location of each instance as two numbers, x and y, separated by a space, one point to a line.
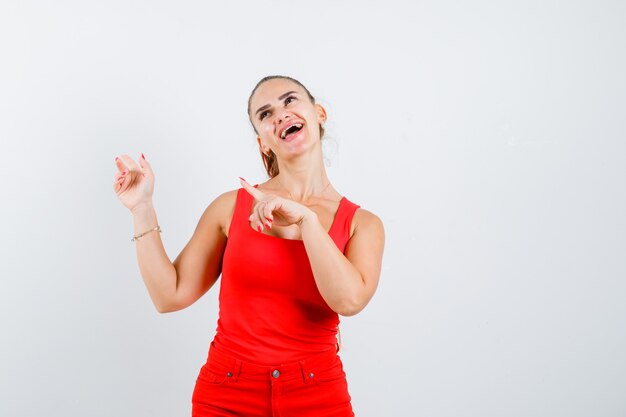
346 282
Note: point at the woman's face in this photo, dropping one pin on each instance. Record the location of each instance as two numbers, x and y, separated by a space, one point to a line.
284 117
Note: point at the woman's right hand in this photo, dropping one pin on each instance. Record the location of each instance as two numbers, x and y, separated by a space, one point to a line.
134 184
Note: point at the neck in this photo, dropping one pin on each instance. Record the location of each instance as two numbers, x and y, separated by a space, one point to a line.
303 177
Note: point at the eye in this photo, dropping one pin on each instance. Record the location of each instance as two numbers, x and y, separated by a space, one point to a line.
290 97
262 115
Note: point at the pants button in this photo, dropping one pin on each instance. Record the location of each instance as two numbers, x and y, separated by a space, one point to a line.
230 374
276 373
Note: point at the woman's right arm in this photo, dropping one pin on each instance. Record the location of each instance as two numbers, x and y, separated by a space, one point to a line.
176 285
172 285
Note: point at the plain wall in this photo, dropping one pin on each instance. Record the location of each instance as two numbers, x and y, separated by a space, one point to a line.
488 136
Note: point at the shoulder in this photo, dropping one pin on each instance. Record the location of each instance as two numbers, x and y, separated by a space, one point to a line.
364 221
223 203
219 212
227 198
367 238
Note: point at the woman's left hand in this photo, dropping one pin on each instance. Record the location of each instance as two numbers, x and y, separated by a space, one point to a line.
270 209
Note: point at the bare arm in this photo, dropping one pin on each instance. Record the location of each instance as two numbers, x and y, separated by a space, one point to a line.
176 285
346 282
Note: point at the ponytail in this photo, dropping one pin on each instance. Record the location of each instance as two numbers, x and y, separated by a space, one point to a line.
270 163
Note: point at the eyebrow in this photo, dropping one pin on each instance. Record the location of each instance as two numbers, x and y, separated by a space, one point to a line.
269 105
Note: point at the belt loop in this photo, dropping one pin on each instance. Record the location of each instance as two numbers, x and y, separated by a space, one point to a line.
303 371
236 370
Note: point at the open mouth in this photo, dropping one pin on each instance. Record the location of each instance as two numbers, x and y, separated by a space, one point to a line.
291 130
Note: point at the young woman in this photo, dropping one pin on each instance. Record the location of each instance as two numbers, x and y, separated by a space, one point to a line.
293 253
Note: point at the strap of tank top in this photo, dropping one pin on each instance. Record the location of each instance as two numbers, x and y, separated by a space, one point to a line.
342 223
242 209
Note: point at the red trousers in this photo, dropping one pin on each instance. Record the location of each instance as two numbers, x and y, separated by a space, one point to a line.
315 386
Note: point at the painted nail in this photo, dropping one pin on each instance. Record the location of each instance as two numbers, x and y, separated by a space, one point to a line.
259 229
143 156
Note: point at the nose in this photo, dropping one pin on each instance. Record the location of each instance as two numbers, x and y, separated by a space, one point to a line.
282 117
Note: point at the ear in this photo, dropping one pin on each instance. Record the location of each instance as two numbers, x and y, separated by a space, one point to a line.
262 147
321 113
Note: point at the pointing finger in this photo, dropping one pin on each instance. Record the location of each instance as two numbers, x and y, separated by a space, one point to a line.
251 190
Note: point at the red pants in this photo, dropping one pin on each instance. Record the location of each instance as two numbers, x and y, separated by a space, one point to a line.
315 386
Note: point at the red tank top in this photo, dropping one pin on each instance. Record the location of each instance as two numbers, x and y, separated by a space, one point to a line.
270 310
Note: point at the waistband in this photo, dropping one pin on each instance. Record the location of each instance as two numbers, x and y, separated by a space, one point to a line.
304 368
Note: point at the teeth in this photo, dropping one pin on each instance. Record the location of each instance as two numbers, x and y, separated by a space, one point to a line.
282 135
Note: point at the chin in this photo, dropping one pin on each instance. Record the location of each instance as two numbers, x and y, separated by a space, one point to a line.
304 148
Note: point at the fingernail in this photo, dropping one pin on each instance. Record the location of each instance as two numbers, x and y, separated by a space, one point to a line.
259 229
124 173
241 179
143 157
116 159
269 220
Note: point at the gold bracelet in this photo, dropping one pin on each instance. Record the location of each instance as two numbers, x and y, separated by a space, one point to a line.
144 233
